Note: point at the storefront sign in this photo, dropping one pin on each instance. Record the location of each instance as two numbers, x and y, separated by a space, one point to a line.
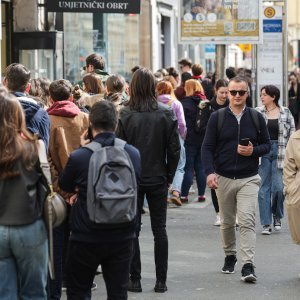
269 54
95 6
220 21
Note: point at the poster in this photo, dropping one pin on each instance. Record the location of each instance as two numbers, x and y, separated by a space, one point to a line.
269 54
220 21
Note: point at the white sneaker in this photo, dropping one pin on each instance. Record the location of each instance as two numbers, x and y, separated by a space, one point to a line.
266 230
218 220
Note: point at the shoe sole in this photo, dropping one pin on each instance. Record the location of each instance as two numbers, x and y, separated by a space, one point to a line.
266 233
160 290
249 278
277 229
135 290
227 271
176 201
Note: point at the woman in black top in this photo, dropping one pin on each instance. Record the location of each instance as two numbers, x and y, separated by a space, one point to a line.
217 102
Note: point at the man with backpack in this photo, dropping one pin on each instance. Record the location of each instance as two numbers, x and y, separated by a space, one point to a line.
104 173
235 138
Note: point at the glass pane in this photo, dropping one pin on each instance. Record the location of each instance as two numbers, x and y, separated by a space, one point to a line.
113 36
39 62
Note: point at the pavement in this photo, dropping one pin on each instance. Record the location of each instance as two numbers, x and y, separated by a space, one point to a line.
196 258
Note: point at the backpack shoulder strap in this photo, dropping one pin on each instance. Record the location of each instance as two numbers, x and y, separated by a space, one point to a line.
254 115
94 146
221 117
119 143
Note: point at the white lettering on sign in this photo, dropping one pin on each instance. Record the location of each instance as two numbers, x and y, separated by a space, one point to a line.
112 5
92 4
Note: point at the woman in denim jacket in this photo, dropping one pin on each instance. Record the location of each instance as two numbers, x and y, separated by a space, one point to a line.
280 123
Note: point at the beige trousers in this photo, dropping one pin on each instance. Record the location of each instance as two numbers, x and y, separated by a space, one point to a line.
238 197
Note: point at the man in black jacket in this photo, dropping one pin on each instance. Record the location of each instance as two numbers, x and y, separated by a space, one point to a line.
89 246
232 169
152 128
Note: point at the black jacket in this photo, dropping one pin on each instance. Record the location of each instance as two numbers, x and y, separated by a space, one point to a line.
219 149
155 135
75 175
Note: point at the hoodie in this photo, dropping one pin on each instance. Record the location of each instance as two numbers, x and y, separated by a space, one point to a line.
64 108
178 110
37 119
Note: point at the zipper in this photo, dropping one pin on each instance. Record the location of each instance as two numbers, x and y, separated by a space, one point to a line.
237 155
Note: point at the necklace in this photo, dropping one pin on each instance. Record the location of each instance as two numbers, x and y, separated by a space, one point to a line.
268 110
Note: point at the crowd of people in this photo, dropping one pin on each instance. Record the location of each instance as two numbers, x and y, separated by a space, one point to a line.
176 126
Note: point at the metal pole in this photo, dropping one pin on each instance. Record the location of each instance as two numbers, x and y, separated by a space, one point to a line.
220 61
285 53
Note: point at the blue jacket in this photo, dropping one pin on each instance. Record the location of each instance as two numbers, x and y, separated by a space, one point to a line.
219 149
75 175
37 119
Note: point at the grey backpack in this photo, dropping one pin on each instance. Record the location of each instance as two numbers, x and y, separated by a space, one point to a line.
112 188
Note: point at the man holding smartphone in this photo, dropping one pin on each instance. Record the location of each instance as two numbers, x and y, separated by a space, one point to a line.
230 154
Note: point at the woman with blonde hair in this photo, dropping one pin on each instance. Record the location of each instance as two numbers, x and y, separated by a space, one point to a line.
165 94
23 236
193 142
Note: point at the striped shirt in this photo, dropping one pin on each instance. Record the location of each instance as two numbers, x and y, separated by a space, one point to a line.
286 128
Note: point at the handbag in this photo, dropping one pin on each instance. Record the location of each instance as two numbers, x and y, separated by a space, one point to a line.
54 206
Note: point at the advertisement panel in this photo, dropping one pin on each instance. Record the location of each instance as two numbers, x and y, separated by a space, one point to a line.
269 54
220 21
95 6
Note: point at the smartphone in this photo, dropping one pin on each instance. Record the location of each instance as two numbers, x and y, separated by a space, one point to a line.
89 135
244 141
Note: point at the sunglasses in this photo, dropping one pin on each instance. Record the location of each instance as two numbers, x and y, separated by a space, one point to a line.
234 93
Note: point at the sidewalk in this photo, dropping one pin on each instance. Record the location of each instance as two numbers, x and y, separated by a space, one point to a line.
196 258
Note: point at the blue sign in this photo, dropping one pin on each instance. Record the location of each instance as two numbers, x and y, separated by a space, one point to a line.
272 26
210 48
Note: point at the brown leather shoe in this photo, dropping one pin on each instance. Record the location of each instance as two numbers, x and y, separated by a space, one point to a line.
175 198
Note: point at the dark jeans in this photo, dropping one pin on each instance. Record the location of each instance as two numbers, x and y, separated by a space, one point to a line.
157 200
61 236
193 162
82 263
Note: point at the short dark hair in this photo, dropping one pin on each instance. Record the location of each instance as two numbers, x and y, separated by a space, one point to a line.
185 62
97 61
230 72
17 77
238 79
103 115
197 69
184 77
60 90
272 91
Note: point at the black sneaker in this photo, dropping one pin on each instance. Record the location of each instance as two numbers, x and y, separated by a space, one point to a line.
277 224
134 285
229 264
248 274
160 287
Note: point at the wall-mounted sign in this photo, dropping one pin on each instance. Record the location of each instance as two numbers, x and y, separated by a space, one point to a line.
269 54
95 6
220 21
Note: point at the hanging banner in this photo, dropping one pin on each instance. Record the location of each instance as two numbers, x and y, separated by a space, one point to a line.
269 54
220 21
95 6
